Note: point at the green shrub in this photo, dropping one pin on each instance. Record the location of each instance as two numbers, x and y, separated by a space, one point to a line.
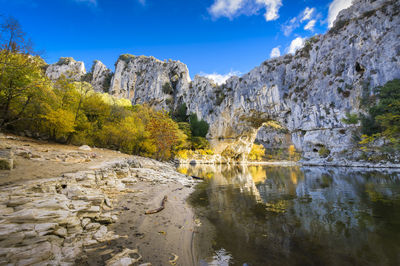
200 143
338 26
351 119
167 88
65 61
180 114
324 152
126 57
198 128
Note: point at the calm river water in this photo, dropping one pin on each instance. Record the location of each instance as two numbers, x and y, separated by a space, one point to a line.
257 215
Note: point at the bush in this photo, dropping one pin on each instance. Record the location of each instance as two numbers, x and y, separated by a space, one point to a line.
338 26
180 114
351 119
126 57
167 88
324 152
198 128
384 117
257 152
199 143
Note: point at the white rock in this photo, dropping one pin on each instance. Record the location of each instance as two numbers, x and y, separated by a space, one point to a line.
85 148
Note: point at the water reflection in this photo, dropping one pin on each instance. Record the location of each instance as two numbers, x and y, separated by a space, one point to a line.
291 216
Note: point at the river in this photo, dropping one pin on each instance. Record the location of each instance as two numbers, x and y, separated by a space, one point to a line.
259 215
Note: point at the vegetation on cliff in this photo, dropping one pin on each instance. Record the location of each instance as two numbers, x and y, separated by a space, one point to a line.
380 125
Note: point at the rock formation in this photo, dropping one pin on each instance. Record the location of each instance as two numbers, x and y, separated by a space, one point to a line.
307 93
100 77
148 80
50 221
66 66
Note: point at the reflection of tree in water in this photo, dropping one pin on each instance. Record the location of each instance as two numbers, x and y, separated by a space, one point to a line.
303 216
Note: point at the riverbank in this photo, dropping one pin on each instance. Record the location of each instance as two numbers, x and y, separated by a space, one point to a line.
65 205
303 162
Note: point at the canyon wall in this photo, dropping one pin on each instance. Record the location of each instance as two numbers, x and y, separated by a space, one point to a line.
307 94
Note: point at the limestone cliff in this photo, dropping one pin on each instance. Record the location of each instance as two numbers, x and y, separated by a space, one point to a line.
100 77
68 67
148 80
307 93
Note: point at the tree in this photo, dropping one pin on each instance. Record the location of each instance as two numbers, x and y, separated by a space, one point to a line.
388 110
21 77
165 134
13 39
180 114
383 119
60 122
257 152
198 128
20 72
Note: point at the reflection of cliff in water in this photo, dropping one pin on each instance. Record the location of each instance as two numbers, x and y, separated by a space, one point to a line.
270 215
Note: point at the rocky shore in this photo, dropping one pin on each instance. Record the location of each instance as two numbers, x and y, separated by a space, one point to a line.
68 219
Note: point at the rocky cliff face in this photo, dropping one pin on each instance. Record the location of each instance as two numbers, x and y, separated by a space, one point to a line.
68 67
148 80
100 77
307 93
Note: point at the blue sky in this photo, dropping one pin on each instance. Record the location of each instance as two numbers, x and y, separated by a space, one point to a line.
210 36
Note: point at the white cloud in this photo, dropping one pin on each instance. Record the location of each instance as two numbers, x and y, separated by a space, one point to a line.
220 79
225 8
310 25
296 44
91 2
276 52
232 8
143 2
290 26
272 8
334 8
307 13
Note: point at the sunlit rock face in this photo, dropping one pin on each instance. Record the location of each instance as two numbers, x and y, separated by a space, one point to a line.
148 80
68 67
100 77
307 93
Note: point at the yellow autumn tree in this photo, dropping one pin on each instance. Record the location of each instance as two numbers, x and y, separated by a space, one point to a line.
257 152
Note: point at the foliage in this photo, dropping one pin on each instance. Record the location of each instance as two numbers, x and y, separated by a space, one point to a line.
257 152
59 122
21 78
180 114
65 61
167 88
324 152
165 134
337 27
351 119
383 119
126 57
198 127
194 129
187 154
199 143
